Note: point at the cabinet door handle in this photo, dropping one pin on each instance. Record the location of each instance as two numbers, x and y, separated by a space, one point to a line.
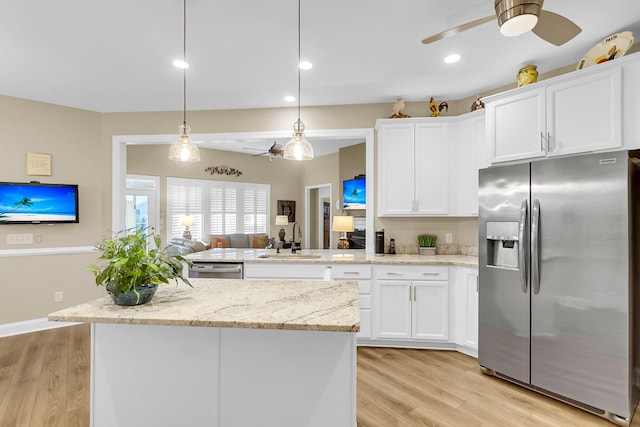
477 284
415 296
542 141
390 273
352 272
548 142
427 273
409 293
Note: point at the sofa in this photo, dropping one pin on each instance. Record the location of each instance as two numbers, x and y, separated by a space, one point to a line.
238 240
179 246
183 247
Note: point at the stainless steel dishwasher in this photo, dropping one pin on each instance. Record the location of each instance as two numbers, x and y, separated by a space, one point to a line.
217 270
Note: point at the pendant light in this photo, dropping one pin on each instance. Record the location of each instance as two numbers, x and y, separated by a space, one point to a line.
184 150
298 147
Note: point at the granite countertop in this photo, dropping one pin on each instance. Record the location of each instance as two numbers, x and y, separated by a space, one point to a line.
323 256
234 303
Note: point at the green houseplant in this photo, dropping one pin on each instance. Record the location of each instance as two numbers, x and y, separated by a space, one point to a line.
427 244
130 271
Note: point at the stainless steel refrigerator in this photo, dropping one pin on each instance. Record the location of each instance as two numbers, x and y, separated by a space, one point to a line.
558 279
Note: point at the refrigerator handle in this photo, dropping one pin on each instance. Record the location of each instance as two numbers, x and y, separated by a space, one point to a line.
535 247
522 261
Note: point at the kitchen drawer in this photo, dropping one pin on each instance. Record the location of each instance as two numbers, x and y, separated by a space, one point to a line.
412 272
284 271
351 271
364 287
364 301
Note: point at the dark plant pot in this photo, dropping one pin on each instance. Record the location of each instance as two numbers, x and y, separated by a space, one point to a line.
145 292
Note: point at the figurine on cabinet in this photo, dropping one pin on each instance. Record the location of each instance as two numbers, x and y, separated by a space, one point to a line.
397 112
477 104
436 109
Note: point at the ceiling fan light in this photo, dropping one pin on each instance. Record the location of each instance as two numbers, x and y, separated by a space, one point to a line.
516 17
518 25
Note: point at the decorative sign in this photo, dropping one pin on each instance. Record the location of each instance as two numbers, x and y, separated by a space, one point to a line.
38 164
223 170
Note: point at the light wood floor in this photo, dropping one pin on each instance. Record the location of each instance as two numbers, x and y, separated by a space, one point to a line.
44 382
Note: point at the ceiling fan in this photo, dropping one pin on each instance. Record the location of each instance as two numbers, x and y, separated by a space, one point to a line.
274 152
516 17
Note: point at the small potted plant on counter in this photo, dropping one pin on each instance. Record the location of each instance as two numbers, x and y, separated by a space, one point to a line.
132 271
427 243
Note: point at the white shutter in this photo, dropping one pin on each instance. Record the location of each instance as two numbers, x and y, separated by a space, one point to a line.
218 207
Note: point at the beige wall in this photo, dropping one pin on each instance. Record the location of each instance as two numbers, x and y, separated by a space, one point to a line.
72 138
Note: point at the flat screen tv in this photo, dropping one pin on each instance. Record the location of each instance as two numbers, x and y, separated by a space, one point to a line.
354 194
37 203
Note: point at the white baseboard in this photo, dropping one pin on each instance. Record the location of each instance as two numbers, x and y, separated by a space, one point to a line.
27 326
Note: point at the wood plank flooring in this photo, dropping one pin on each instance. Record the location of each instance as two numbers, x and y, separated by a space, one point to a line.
44 382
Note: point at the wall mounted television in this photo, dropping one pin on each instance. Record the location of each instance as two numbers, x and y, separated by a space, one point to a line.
38 203
354 194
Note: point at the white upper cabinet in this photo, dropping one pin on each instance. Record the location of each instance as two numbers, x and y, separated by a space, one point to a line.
574 113
413 167
467 155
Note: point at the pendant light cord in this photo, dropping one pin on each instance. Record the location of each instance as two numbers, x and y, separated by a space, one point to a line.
299 62
184 60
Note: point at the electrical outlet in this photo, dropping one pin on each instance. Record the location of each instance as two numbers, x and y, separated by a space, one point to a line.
58 296
38 237
448 237
19 239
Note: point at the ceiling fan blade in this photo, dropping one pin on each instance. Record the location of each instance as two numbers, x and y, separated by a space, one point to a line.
555 29
456 30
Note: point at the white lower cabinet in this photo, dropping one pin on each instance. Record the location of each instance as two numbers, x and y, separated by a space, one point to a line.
466 308
360 273
411 302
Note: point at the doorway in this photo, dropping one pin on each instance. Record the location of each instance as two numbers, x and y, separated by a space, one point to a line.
318 216
142 202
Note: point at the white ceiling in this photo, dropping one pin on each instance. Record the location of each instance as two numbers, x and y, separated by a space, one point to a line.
115 55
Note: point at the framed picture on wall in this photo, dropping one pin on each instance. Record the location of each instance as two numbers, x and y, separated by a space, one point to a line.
288 208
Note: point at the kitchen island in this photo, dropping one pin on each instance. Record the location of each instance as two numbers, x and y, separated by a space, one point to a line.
225 353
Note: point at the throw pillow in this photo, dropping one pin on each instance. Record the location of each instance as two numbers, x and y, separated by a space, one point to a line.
260 241
220 242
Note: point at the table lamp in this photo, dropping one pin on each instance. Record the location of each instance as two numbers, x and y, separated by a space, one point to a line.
187 221
282 220
343 224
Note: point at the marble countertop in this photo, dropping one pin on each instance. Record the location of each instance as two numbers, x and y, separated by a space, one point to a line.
233 303
323 256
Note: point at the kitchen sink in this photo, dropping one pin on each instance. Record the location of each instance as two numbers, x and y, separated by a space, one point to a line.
290 256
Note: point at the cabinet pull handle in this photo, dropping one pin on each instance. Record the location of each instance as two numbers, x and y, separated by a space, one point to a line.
409 293
477 284
390 273
415 296
351 272
548 142
427 273
541 141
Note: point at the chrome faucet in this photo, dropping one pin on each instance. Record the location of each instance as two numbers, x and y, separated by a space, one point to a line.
296 245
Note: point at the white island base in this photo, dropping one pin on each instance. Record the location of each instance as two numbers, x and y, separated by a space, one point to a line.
163 375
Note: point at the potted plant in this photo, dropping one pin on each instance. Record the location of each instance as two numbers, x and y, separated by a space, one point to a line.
132 272
427 244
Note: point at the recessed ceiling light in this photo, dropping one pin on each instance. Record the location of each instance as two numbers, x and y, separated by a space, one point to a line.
180 64
305 65
452 58
289 98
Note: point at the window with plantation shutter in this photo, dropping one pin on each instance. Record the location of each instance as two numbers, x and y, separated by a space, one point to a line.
218 207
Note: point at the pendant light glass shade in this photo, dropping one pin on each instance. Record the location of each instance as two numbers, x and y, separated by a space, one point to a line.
184 150
298 147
